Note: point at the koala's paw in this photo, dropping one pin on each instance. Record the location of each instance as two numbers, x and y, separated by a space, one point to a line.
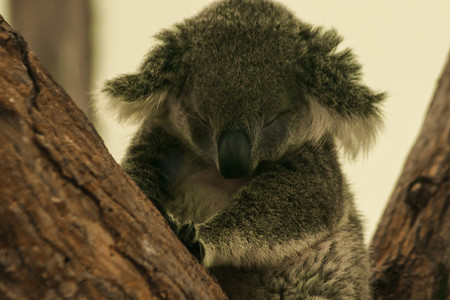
187 233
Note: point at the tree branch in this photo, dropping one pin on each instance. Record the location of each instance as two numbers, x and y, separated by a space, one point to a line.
411 245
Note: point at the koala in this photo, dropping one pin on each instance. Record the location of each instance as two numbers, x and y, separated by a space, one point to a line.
242 110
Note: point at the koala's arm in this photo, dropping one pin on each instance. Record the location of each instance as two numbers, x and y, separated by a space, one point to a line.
286 206
150 161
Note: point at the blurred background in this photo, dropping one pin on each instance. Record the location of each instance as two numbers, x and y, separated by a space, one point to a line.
402 46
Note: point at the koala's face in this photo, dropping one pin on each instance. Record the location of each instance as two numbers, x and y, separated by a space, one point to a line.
245 81
241 103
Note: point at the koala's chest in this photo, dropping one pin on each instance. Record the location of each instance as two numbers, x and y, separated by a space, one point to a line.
201 194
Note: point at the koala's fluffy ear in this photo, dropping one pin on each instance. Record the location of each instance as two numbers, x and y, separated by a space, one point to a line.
132 97
340 104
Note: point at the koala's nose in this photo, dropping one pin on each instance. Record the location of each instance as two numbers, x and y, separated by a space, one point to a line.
234 154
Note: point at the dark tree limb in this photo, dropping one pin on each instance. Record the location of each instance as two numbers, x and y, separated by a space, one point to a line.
72 223
412 244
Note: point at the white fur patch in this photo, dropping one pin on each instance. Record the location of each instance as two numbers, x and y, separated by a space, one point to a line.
125 111
239 252
201 194
353 132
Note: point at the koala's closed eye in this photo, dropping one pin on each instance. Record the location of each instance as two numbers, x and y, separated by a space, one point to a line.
274 119
203 121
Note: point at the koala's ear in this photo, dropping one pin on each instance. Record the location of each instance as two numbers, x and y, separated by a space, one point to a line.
340 104
133 97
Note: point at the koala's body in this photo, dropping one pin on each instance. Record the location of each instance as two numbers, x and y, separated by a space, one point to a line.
242 108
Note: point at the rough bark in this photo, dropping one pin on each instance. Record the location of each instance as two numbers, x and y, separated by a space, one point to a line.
73 224
412 243
59 34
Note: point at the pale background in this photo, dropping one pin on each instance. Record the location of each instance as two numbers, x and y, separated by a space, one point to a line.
402 45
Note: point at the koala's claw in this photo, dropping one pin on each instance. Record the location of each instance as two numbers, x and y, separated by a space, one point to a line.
187 233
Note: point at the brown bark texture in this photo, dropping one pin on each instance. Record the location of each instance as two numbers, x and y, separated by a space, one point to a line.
412 243
73 225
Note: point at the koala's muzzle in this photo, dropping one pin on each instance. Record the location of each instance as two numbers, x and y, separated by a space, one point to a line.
234 154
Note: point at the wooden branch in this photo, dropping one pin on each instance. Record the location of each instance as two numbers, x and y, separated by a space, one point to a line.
73 224
412 244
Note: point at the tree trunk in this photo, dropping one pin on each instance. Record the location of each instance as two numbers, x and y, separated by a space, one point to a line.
59 34
412 244
73 224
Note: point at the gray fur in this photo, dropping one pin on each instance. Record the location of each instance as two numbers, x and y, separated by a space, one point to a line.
242 107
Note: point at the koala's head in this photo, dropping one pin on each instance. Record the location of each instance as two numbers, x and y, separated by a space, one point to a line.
245 81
